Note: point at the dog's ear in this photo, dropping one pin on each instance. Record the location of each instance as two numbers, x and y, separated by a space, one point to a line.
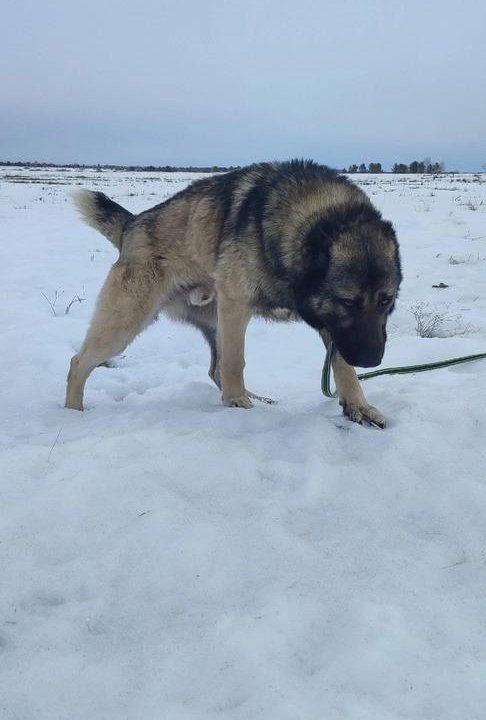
316 257
317 245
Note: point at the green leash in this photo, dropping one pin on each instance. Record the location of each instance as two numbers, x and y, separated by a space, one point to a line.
326 370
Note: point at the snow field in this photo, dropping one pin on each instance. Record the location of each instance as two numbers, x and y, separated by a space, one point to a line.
164 557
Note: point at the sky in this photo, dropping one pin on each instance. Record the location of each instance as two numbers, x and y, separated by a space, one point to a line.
219 82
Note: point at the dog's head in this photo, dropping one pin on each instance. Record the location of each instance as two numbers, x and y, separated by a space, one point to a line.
350 280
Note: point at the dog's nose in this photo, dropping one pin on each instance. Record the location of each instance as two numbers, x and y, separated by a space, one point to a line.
369 357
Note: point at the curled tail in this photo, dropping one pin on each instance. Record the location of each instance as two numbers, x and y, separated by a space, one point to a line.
102 214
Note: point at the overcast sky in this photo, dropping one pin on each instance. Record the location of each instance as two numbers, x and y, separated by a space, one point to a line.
233 81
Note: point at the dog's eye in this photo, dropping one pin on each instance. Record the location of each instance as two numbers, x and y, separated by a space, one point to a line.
347 302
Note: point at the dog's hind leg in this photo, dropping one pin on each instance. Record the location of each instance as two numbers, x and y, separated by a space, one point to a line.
205 319
214 372
128 302
210 335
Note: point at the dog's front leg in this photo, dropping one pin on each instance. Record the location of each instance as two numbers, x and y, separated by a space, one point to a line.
351 396
233 317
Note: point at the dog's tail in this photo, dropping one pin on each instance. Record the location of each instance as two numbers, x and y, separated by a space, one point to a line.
102 214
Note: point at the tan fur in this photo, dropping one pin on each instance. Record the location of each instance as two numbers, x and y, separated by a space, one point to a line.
111 226
304 206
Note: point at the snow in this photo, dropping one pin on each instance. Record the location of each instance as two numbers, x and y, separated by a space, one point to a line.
166 558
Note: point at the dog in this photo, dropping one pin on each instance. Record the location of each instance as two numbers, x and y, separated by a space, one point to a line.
283 240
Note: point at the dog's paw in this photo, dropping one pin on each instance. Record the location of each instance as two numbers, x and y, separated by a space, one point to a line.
261 398
364 414
242 401
74 404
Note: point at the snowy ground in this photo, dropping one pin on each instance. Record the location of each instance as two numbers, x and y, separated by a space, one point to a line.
166 558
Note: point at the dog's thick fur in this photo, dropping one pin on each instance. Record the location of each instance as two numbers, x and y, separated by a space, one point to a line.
292 240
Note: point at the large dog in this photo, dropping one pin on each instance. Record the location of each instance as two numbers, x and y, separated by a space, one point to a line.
291 240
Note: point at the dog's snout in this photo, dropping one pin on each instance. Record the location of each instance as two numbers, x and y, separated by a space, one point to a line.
364 357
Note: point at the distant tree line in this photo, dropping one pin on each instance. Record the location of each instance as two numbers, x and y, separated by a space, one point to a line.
130 168
417 166
374 167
